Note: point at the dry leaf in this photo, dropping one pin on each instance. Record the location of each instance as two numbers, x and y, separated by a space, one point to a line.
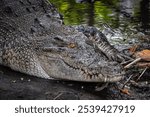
144 55
143 64
125 91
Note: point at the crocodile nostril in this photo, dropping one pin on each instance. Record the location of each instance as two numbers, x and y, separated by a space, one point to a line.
58 38
115 70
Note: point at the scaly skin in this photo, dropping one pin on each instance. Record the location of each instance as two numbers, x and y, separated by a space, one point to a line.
34 40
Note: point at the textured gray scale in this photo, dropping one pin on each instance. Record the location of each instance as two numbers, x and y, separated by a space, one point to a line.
34 40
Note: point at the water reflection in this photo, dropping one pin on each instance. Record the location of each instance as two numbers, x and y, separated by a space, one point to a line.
145 15
82 1
125 15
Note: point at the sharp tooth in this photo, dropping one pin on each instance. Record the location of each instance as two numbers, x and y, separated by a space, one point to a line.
106 79
90 72
100 75
96 76
82 72
85 76
88 77
93 76
86 71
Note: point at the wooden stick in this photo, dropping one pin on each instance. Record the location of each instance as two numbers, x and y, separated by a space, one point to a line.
126 82
143 64
126 62
133 62
142 73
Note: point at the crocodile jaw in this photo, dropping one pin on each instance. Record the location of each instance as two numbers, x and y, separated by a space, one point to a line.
60 69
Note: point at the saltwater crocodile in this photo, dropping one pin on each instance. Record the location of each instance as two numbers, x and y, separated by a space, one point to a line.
35 41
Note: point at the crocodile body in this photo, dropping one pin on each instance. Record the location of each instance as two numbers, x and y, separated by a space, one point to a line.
34 40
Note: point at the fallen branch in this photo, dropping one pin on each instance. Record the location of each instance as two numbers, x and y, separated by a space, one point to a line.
142 73
126 82
126 62
132 63
143 64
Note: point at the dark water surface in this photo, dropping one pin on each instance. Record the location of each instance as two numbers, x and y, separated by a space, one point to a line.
133 15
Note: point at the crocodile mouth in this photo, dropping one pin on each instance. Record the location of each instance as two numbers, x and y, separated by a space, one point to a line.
101 77
95 75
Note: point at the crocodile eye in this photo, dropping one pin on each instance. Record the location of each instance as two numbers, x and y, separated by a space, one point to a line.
72 45
58 38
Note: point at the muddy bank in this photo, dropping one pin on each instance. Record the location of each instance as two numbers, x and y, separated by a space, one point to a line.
15 85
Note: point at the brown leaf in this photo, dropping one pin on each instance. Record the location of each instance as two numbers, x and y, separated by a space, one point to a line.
144 55
125 91
143 64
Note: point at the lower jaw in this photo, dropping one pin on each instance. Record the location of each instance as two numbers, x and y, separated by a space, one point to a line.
114 79
103 80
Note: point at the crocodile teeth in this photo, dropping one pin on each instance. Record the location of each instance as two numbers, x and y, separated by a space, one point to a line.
82 72
90 73
93 76
85 70
88 77
100 75
96 76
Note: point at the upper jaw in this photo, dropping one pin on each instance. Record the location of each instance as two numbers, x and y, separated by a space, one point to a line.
100 78
95 73
114 78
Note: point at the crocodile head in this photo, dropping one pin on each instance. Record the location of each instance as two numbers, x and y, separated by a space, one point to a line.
76 58
33 40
